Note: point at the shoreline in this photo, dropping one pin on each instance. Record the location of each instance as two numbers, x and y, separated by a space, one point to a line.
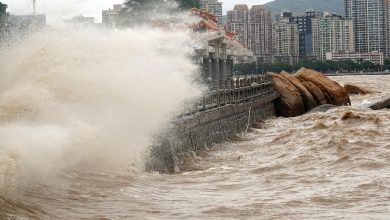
358 74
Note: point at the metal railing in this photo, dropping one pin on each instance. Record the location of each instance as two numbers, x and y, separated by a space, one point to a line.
237 90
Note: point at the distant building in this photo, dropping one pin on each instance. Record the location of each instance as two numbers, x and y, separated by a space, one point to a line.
81 21
305 32
27 23
237 22
387 27
369 17
260 33
332 33
110 17
373 57
214 7
286 41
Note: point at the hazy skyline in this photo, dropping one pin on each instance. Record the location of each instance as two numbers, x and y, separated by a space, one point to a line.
57 10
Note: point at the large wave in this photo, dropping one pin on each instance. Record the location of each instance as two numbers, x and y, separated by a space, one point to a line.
88 99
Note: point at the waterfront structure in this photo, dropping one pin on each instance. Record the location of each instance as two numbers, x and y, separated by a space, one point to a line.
110 17
332 33
214 7
260 33
373 57
220 50
286 40
370 18
237 22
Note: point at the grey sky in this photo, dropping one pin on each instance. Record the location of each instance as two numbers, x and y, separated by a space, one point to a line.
60 9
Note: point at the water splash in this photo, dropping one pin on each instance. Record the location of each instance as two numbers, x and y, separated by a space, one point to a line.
88 99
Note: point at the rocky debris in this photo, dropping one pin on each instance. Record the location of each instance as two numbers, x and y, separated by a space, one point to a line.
334 93
355 89
384 103
308 99
290 103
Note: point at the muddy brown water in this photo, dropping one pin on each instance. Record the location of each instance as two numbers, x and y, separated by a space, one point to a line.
332 165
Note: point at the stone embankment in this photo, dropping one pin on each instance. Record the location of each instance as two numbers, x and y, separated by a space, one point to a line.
219 116
305 90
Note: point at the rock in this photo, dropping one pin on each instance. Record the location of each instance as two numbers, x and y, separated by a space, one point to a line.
316 92
385 103
355 89
322 108
259 125
290 103
308 99
337 93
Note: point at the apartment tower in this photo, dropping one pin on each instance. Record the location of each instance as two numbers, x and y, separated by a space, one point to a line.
260 33
237 22
214 7
370 18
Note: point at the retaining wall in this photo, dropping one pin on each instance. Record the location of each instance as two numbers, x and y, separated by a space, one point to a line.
198 132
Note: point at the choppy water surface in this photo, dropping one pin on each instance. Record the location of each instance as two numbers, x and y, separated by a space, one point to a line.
57 128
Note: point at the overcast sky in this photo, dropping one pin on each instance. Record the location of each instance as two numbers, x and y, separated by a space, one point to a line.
64 9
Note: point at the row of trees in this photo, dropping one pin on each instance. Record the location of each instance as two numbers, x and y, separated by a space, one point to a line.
327 66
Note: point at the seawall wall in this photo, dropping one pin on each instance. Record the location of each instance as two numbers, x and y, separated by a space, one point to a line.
198 132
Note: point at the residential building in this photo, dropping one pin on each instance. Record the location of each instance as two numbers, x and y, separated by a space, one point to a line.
332 33
237 22
286 40
373 57
387 27
214 7
369 17
110 17
260 33
305 32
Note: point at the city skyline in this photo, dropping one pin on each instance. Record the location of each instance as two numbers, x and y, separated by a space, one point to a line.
71 8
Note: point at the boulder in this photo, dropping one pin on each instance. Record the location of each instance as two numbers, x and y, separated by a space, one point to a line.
290 103
308 99
322 108
337 93
317 93
355 89
382 104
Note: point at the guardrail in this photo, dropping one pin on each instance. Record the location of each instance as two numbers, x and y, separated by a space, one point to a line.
240 89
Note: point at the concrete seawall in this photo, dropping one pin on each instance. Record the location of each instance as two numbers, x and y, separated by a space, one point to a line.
195 133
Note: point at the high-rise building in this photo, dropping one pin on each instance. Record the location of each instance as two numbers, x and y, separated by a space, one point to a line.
387 27
286 41
369 17
305 32
237 22
260 33
332 33
214 7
